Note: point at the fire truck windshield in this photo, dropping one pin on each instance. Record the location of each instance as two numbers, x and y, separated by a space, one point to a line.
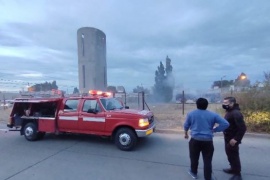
111 104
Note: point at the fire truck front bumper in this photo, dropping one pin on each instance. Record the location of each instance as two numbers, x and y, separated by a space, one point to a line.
146 132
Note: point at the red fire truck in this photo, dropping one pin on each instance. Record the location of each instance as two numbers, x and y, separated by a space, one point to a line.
97 114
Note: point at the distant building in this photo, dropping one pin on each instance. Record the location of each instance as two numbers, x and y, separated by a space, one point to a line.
91 59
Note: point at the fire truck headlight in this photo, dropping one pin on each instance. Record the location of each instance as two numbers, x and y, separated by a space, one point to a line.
143 122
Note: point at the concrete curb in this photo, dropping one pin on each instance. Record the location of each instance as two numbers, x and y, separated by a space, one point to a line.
179 131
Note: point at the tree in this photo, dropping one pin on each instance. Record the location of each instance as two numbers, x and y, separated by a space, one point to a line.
224 83
242 81
111 89
76 91
141 89
169 83
164 82
44 86
54 86
168 66
267 78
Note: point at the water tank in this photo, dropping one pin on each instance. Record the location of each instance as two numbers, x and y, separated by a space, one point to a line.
91 59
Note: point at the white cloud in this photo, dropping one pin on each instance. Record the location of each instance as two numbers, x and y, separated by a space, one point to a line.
204 39
31 75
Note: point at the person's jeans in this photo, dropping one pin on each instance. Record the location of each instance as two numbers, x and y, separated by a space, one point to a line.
207 149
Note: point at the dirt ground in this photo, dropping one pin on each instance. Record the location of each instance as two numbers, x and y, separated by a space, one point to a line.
167 116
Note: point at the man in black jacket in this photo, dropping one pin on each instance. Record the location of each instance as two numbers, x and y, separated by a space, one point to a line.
233 136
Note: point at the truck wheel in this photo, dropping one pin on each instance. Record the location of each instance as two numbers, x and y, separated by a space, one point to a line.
30 131
125 139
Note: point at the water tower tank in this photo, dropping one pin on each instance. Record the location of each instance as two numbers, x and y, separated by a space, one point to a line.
91 59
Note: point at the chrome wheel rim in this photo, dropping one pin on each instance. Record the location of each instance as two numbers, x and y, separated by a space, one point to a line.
124 139
29 131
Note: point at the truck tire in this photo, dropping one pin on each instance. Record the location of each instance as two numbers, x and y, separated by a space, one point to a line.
40 135
125 139
30 131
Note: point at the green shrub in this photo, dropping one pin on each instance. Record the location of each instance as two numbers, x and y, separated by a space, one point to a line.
258 121
255 106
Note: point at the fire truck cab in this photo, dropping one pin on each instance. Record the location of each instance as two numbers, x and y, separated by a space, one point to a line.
97 114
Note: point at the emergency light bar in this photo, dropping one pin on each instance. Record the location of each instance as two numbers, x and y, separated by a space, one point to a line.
107 94
99 93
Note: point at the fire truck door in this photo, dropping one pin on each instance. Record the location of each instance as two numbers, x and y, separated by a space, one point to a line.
68 118
91 117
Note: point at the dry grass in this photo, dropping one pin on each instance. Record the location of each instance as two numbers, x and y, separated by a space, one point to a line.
4 115
172 116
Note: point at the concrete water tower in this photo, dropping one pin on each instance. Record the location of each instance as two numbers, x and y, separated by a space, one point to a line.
91 59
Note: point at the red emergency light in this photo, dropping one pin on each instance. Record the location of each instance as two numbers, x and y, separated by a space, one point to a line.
99 93
106 94
95 92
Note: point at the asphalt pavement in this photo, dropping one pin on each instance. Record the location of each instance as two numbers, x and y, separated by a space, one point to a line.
160 156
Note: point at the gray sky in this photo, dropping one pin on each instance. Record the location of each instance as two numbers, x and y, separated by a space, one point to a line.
205 40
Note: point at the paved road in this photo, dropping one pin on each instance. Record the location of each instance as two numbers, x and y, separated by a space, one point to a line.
158 157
